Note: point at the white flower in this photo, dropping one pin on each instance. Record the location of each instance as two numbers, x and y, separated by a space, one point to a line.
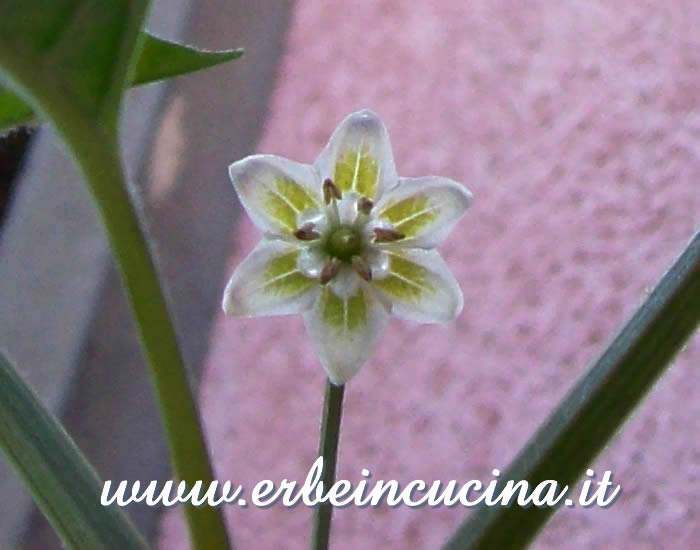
346 243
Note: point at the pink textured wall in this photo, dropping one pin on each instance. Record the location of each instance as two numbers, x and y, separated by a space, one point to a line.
577 127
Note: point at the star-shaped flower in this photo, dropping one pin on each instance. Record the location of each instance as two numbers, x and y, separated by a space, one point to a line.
346 243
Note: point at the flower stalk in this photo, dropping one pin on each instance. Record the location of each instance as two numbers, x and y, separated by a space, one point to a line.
328 449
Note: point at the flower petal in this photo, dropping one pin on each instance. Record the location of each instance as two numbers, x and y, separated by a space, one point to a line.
424 209
275 191
311 261
358 156
420 286
345 331
347 207
268 282
345 283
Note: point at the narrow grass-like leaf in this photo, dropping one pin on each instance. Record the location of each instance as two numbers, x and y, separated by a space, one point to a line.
158 59
595 408
71 60
55 472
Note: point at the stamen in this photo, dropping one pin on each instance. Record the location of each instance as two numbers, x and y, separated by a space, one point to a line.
361 268
365 205
306 232
385 235
329 271
330 191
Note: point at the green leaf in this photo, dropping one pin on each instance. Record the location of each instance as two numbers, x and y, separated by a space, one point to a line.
70 54
590 415
55 472
13 111
158 59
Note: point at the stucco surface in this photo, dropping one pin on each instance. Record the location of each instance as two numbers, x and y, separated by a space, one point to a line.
577 127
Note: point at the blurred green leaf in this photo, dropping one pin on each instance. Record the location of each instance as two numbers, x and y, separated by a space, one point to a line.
13 111
70 54
55 472
158 59
595 408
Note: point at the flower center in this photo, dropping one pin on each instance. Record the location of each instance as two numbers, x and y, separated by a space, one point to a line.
344 243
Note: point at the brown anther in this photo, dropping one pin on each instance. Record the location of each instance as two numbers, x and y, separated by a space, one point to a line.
330 191
329 271
306 232
361 268
365 205
385 235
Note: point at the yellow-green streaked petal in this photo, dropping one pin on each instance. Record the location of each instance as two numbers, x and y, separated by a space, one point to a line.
345 331
280 211
411 215
406 280
343 314
424 209
285 200
275 191
282 276
268 282
420 287
295 194
357 170
358 156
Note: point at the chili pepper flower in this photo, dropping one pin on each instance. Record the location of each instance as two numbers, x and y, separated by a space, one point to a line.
346 243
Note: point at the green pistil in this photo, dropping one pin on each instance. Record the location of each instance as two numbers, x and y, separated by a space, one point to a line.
344 243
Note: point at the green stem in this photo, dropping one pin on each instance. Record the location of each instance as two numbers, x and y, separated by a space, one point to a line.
90 133
102 167
588 417
328 449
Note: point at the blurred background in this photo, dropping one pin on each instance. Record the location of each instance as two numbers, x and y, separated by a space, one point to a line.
577 127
